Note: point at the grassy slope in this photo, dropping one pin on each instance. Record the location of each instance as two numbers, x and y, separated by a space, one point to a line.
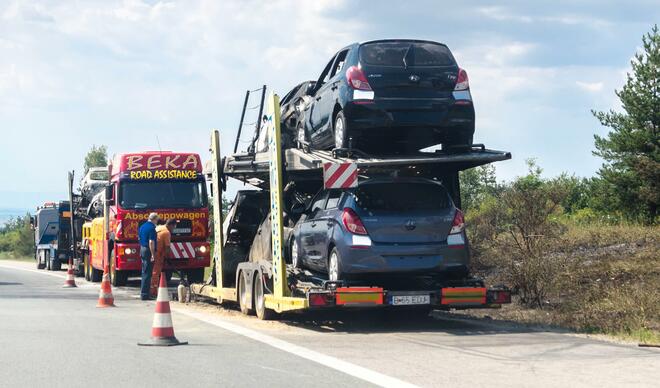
611 286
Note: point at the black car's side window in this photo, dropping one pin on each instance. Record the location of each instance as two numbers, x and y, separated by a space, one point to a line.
325 75
338 63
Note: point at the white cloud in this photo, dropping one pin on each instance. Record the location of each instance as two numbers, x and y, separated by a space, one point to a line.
592 87
506 14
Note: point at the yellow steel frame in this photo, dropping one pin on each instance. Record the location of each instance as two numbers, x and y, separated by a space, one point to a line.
218 292
280 300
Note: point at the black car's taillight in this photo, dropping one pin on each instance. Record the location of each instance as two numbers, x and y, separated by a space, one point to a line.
462 82
356 79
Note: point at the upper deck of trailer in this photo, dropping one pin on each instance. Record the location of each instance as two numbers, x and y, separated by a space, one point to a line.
254 168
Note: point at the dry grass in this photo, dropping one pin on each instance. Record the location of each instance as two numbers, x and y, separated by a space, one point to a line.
608 282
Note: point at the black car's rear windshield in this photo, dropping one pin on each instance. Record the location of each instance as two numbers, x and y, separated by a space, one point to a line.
406 53
401 197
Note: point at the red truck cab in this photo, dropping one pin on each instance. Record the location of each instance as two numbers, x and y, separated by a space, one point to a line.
168 183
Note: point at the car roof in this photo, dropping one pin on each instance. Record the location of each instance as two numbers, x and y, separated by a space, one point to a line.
400 40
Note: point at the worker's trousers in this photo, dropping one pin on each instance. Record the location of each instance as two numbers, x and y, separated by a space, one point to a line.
147 266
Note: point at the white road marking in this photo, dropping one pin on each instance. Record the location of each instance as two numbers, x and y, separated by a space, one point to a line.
346 367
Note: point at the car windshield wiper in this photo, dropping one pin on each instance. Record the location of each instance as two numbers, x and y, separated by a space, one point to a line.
405 55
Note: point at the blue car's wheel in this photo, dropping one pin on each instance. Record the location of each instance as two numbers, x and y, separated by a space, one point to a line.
334 266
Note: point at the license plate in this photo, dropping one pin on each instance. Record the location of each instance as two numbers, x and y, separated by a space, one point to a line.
402 300
181 230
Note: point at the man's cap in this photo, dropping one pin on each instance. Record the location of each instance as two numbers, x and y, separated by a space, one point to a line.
153 216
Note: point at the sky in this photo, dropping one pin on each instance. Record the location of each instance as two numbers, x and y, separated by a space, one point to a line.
142 75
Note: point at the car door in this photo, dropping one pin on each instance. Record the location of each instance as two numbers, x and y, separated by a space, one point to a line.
325 224
309 244
315 109
325 100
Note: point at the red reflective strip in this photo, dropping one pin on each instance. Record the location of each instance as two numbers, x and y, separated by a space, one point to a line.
350 180
163 307
191 250
179 250
337 174
459 301
462 290
163 332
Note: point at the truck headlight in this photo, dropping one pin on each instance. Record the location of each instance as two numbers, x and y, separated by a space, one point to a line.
129 251
201 249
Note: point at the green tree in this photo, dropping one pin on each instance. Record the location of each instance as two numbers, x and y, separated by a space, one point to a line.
16 236
96 157
632 148
476 185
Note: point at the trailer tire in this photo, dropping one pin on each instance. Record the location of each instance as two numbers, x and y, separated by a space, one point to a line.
243 295
263 313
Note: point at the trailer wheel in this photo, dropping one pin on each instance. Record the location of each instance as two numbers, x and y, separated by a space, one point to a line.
243 295
263 313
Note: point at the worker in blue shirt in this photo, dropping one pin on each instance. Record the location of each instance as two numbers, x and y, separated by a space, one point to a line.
148 237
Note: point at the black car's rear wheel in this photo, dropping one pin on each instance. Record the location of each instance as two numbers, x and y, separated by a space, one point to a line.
340 131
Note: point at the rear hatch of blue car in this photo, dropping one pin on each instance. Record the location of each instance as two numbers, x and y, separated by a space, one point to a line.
405 212
402 69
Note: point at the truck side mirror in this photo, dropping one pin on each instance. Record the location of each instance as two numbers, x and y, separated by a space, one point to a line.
109 195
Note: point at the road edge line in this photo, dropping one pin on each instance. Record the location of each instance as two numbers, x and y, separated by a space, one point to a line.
346 367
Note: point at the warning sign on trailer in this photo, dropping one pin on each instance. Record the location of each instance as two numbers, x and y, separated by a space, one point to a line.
340 175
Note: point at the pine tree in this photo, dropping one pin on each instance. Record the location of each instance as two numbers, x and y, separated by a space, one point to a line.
632 148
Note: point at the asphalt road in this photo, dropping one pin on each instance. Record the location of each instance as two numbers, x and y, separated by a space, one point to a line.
55 337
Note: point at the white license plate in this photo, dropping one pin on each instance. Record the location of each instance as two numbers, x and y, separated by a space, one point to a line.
181 230
402 300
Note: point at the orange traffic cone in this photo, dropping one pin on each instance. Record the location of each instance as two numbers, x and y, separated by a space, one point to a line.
70 278
105 296
162 331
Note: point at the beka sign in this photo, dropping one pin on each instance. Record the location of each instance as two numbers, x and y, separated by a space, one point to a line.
166 165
